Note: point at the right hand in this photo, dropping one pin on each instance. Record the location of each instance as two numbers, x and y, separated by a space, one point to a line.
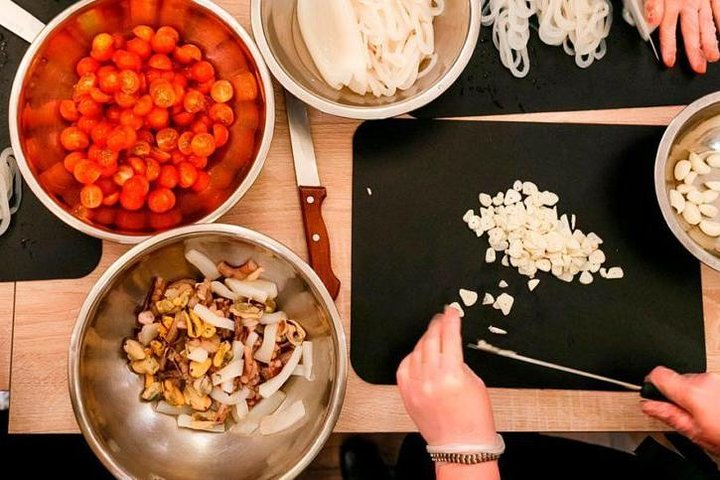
696 409
445 399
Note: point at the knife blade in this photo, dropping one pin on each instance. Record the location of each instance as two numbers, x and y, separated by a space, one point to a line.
633 14
647 391
312 193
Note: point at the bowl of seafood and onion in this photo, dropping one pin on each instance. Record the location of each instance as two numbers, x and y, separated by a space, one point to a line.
207 351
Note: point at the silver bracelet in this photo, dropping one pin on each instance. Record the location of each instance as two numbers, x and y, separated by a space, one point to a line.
467 454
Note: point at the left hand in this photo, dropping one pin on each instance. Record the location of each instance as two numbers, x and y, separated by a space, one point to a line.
698 19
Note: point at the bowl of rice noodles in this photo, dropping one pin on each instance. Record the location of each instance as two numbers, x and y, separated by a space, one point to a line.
366 59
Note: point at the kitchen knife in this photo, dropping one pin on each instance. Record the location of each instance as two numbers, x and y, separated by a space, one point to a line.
647 391
634 15
312 193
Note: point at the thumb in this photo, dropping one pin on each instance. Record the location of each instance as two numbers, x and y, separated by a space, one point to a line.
654 11
673 385
673 416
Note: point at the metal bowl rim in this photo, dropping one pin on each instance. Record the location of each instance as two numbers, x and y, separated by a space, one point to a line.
373 112
253 237
661 159
102 234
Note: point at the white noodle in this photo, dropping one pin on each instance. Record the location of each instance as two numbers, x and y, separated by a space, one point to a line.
10 188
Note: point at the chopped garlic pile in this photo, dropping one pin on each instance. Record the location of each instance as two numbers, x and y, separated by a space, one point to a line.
523 224
693 204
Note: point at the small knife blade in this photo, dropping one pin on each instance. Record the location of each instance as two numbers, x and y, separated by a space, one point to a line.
312 193
647 390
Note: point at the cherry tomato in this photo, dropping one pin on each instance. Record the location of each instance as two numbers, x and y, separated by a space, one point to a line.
222 91
168 177
199 127
202 182
160 62
140 149
246 87
205 87
165 40
177 157
130 81
126 60
131 201
111 199
184 143
100 132
89 107
159 155
162 93
126 100
91 196
71 160
123 174
122 137
108 79
137 164
68 111
167 139
127 117
152 169
99 96
158 118
221 134
143 106
103 47
202 71
137 185
87 172
187 54
187 174
203 145
106 158
161 200
144 32
198 162
183 119
86 124
139 47
112 114
86 65
194 101
72 138
118 41
223 114
86 83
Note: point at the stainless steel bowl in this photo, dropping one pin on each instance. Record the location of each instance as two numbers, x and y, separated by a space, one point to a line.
47 75
128 436
694 128
277 33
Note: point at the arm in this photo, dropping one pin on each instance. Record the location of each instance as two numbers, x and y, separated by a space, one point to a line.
445 399
697 27
696 409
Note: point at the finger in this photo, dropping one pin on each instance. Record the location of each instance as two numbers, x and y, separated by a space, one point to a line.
668 29
654 10
690 27
671 415
673 385
715 4
431 344
708 33
451 340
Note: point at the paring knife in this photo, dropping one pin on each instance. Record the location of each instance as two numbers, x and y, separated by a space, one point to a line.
647 390
312 193
633 13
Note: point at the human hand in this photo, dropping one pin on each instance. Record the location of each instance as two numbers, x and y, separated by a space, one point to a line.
696 413
445 399
697 27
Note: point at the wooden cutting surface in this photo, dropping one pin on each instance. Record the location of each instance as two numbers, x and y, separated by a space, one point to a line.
45 311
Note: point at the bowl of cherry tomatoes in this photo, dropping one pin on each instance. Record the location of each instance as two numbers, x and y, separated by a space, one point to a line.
131 117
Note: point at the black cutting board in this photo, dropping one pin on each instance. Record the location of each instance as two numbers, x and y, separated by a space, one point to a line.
628 76
412 182
37 245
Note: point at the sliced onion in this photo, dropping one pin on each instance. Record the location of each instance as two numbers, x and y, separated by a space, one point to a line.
212 318
186 421
219 288
274 384
148 333
165 408
263 408
228 372
283 419
203 263
246 289
218 395
197 354
307 359
270 318
270 288
238 349
264 353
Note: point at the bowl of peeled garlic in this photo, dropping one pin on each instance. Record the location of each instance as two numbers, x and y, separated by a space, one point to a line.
366 60
687 178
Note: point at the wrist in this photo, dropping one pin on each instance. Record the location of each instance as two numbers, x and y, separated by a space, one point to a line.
455 471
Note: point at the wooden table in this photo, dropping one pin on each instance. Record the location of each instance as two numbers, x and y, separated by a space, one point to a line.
45 311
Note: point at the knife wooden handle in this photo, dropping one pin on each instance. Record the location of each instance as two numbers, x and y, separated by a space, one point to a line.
316 236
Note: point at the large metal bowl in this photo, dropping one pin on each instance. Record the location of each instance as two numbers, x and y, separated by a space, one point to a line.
134 441
47 75
692 129
277 33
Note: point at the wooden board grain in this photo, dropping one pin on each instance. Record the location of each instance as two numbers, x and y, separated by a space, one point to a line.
45 311
7 307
